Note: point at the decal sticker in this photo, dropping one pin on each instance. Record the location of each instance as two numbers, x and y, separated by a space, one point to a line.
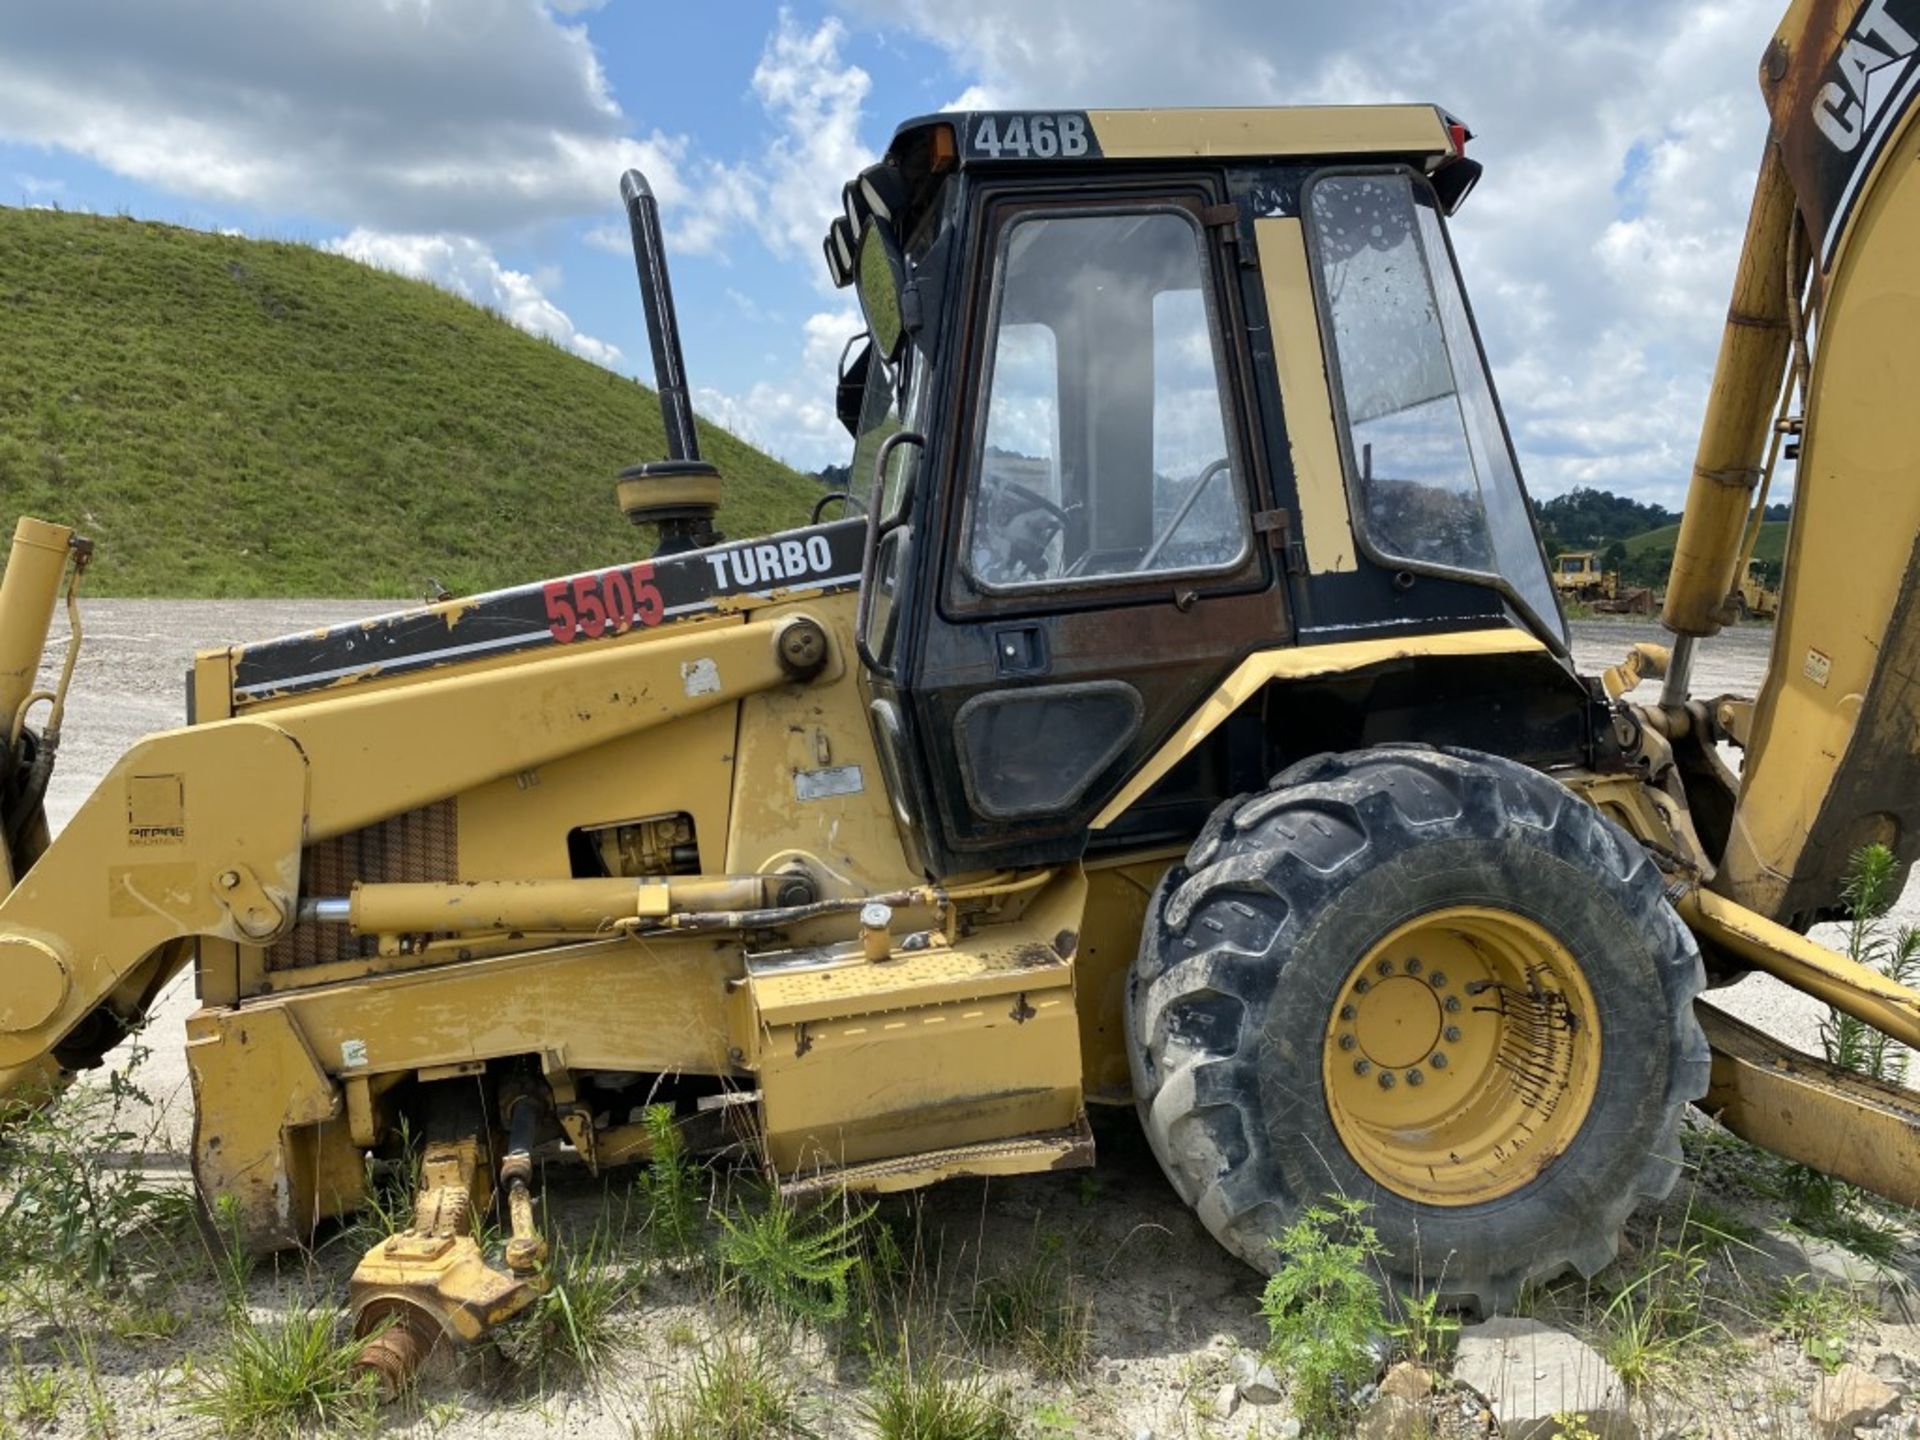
572 610
822 784
156 809
609 602
353 1053
772 562
700 677
1866 87
1817 667
1029 135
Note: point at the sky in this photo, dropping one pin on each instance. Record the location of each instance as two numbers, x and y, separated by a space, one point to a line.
479 144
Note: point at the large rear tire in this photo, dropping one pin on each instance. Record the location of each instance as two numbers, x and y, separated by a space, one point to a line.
1431 979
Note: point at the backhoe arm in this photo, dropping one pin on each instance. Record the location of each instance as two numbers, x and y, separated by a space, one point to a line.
1833 752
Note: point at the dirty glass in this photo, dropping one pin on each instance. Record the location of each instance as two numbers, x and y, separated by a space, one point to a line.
1103 448
1434 476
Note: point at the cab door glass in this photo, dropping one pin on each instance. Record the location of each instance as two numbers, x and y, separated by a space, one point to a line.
1433 476
1103 449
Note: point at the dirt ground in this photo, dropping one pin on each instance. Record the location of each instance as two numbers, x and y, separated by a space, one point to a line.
1166 1308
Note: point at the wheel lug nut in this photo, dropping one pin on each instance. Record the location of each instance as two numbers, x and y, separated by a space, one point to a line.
1438 1061
1438 979
1413 965
1362 985
1362 1067
1347 1012
1386 1079
1453 1005
1385 967
1347 1042
1451 1034
1414 1077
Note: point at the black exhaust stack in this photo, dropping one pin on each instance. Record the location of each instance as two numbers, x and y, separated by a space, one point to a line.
681 493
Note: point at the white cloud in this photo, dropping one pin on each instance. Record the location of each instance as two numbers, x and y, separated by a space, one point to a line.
815 98
793 417
468 268
1620 143
401 115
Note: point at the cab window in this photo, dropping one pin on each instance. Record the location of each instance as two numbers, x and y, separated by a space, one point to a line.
1103 448
1433 477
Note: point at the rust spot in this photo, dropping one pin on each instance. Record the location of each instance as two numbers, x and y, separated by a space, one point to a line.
1022 1011
1078 1156
1029 955
802 1041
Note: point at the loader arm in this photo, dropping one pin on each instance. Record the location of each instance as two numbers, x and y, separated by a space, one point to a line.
169 847
1833 747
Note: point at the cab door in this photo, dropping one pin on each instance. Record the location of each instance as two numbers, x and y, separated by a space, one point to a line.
1105 528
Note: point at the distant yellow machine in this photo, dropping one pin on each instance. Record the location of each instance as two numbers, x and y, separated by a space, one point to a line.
1579 576
1753 598
1180 716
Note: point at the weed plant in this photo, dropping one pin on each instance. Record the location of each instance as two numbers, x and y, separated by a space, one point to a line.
1323 1307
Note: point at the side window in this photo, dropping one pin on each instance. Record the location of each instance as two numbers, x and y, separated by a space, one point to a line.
1103 449
1433 476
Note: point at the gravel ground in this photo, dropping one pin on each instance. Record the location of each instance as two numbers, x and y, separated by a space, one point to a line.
1168 1308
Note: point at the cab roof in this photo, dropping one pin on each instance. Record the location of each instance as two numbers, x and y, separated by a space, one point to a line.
991 137
897 189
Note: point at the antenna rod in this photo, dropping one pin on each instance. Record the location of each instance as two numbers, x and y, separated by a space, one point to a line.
663 330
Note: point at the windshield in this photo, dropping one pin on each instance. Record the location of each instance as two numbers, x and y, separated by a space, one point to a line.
1433 477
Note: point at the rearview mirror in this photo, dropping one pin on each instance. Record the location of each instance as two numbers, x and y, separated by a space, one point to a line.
881 278
850 393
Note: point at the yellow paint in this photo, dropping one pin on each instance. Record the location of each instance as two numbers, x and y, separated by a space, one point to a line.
1856 513
863 1061
1839 1123
1726 467
1118 889
1420 1074
1407 130
28 592
1326 522
1304 662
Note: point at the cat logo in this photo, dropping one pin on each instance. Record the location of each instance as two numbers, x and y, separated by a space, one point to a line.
1872 73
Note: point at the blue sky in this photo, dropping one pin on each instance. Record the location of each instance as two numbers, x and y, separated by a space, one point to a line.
478 143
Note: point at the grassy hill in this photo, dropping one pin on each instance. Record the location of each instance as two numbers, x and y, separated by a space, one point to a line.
239 417
1771 546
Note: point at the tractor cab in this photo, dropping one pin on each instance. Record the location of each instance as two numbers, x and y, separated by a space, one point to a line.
1143 394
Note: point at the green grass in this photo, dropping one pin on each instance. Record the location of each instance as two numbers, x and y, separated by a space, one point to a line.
735 1391
1771 546
928 1402
233 417
284 1377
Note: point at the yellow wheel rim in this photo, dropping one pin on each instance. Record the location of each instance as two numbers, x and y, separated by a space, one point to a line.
1462 1056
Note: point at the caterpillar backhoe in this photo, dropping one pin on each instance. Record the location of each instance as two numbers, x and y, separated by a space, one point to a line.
1177 715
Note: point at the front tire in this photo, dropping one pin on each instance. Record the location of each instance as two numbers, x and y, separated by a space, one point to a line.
1430 979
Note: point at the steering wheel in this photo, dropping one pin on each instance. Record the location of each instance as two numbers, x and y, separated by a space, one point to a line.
1179 516
1034 500
1032 527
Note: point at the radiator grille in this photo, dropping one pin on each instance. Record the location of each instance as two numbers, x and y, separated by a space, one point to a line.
419 846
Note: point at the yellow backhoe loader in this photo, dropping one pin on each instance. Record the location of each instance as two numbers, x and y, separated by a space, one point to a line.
1179 715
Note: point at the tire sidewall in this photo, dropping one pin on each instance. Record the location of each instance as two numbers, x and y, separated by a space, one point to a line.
1515 870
